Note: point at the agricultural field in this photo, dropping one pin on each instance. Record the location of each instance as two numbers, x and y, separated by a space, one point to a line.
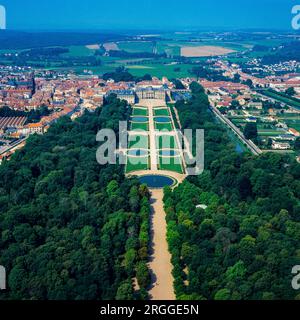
204 51
134 46
283 98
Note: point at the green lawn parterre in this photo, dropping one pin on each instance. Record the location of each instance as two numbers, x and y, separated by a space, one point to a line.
137 163
161 112
139 126
140 112
170 164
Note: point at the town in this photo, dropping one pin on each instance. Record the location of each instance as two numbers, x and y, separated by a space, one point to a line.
31 100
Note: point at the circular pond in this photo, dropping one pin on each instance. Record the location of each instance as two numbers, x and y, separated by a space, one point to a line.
139 119
162 119
137 153
157 181
169 153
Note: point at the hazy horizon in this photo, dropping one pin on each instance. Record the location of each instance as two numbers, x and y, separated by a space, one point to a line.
147 15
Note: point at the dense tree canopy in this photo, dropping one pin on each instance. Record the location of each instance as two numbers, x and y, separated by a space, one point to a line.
245 243
70 228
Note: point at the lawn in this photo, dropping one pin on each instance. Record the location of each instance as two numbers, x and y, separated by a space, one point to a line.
140 112
138 142
137 164
139 126
170 164
166 142
269 133
164 126
161 112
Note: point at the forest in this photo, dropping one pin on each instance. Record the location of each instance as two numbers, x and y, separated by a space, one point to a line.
233 231
71 229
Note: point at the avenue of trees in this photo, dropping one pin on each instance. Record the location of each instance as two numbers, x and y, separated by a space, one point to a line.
69 227
246 242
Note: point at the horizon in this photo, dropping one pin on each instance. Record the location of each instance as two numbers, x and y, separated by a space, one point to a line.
257 14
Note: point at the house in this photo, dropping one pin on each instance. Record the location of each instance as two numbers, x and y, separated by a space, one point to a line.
32 128
255 105
280 145
294 132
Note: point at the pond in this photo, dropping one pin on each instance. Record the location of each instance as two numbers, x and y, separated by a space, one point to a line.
137 152
139 119
168 153
157 181
162 119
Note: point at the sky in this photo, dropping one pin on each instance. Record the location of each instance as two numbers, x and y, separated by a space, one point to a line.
147 14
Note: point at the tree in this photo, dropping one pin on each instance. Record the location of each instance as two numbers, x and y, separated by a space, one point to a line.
250 131
125 291
297 144
290 91
222 294
143 275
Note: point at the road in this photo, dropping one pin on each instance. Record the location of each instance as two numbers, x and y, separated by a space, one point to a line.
160 261
251 146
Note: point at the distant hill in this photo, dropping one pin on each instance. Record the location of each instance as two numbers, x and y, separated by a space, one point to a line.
24 40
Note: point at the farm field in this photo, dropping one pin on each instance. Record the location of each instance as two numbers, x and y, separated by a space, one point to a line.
134 46
204 51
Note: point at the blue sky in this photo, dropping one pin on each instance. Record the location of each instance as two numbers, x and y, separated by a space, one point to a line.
158 14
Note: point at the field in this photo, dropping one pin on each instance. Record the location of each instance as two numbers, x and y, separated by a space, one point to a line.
204 51
284 99
140 46
79 51
111 46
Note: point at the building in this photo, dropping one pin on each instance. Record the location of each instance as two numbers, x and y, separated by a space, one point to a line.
151 93
294 132
32 128
127 95
255 105
280 145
